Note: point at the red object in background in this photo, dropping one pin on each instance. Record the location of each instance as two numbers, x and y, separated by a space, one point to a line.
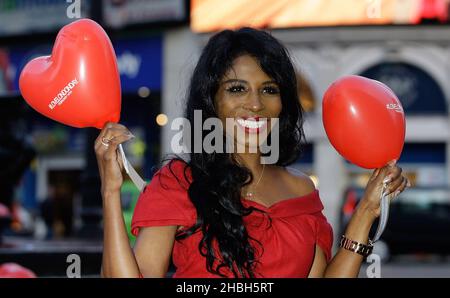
4 67
79 84
350 203
364 121
4 211
13 270
432 10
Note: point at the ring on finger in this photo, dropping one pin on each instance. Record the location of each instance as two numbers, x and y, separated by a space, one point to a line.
105 142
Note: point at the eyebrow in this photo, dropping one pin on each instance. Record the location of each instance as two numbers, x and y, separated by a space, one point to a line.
245 82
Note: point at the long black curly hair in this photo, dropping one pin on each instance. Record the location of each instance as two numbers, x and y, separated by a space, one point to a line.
216 194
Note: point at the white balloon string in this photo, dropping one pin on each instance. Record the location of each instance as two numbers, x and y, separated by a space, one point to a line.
384 216
134 176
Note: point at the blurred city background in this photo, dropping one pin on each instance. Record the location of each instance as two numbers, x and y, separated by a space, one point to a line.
49 184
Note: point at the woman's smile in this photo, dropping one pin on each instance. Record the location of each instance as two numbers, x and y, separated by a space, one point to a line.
252 125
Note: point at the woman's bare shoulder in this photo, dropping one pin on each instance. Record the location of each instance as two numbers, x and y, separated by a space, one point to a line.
299 180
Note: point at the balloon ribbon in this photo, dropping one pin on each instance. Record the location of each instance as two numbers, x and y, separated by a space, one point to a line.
384 214
134 176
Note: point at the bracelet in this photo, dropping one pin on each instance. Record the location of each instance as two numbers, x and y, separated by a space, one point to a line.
356 247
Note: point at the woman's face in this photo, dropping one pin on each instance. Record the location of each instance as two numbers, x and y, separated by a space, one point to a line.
250 98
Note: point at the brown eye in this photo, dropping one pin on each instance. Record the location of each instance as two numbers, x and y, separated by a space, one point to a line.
236 89
271 90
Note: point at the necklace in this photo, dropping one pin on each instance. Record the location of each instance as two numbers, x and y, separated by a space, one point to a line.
250 194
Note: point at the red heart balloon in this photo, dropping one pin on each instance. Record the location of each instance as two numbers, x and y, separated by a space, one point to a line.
13 270
79 84
364 121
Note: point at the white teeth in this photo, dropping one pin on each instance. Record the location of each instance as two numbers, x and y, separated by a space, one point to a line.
251 123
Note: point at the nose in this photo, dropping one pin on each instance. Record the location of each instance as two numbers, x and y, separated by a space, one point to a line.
254 102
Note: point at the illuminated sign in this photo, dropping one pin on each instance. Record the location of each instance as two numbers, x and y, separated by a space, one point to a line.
214 15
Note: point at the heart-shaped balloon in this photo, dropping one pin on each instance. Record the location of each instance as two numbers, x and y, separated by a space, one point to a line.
13 270
79 84
364 121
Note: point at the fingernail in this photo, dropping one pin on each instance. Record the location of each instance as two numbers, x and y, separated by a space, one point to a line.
397 193
387 180
130 135
392 162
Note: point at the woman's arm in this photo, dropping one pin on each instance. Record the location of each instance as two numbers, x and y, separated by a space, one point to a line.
152 250
347 263
153 246
118 258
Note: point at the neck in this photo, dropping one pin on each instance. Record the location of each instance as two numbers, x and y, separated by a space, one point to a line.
252 161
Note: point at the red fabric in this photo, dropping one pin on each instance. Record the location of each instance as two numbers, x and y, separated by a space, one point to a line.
297 225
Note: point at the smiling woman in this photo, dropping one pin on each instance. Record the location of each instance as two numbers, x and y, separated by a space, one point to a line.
249 96
196 211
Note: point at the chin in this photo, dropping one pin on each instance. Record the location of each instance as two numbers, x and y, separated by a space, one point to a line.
250 146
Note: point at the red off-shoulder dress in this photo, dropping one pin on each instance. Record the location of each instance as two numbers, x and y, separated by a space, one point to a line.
288 230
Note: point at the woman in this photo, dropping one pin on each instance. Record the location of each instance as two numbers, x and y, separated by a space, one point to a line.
228 214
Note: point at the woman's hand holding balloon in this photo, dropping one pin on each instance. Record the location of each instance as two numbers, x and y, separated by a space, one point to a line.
109 160
389 180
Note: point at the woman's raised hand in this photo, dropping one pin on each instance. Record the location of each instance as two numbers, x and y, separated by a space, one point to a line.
396 183
109 161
